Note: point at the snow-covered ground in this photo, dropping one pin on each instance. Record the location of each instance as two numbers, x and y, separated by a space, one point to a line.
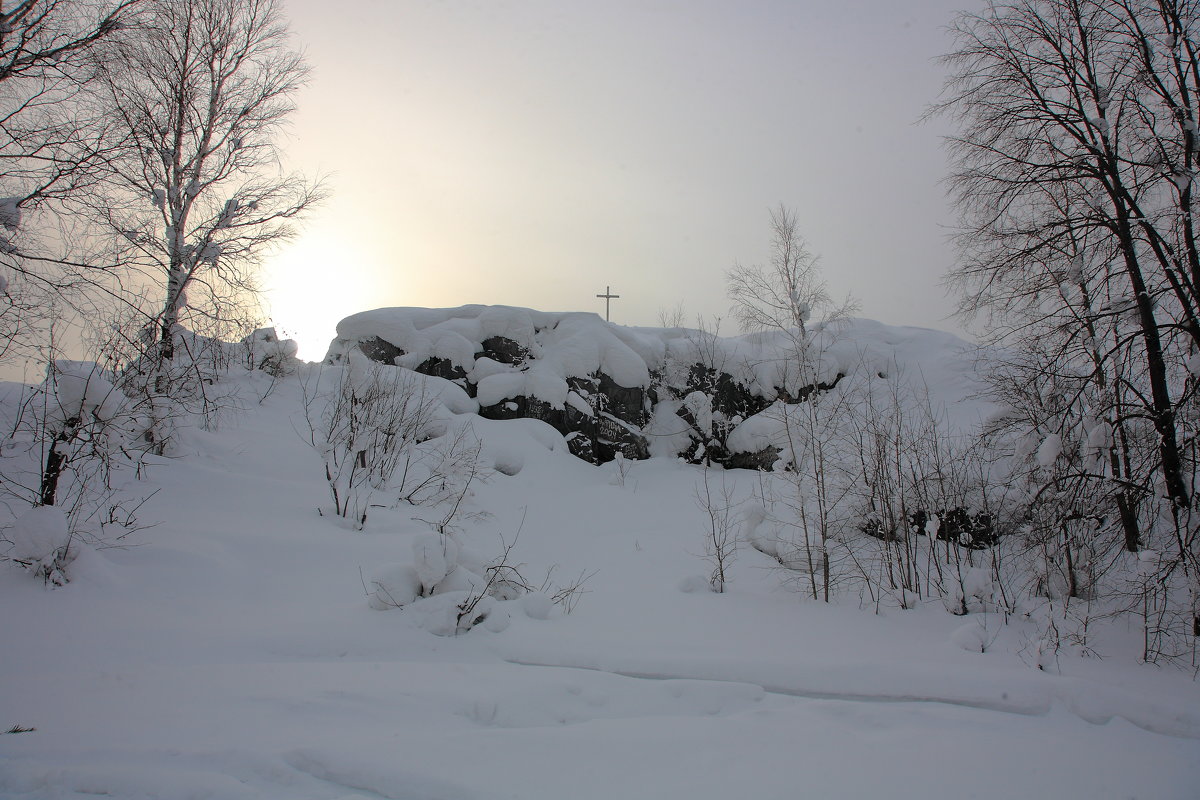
230 652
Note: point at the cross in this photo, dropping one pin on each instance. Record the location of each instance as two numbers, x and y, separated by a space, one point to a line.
608 298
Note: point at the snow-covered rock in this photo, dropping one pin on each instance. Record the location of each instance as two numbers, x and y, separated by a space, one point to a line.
636 391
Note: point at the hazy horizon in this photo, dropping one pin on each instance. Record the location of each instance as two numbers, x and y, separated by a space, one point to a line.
533 153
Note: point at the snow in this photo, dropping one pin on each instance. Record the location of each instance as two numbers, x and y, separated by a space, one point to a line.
760 431
38 534
1049 450
393 586
267 349
434 556
210 253
545 384
1099 441
576 401
700 406
79 390
10 212
499 387
245 647
537 605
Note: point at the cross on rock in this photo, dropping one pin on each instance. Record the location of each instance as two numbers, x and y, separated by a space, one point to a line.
608 298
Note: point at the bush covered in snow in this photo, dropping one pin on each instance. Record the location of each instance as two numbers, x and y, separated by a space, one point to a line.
386 437
41 542
452 589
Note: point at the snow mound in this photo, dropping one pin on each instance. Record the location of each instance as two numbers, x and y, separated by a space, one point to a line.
38 535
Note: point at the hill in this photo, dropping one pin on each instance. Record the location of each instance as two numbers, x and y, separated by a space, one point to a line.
498 617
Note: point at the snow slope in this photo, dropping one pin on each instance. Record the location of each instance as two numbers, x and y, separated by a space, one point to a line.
230 652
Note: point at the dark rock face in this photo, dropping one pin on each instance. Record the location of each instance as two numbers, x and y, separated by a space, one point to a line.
442 368
616 436
728 396
506 351
731 402
970 530
762 460
380 350
527 408
577 421
957 526
974 531
804 392
618 413
580 446
587 389
875 528
700 449
627 404
614 424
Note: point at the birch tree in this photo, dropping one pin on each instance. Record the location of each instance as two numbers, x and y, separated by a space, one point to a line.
786 293
199 94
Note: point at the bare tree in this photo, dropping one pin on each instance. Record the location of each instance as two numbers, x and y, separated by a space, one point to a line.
52 146
790 298
672 317
789 293
199 93
50 139
1074 167
720 505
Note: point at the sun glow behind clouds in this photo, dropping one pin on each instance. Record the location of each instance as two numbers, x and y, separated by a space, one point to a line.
531 154
312 284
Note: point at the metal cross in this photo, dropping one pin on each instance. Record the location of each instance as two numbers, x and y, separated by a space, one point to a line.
608 298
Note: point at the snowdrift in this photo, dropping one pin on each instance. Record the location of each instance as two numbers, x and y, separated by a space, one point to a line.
242 641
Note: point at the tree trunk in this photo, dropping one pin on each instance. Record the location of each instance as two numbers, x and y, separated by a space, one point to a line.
170 314
56 461
1156 366
1129 523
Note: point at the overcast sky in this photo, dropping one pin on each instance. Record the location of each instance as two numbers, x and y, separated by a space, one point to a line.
533 152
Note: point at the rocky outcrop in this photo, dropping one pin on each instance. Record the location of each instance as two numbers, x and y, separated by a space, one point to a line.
602 418
614 390
975 531
631 392
599 420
